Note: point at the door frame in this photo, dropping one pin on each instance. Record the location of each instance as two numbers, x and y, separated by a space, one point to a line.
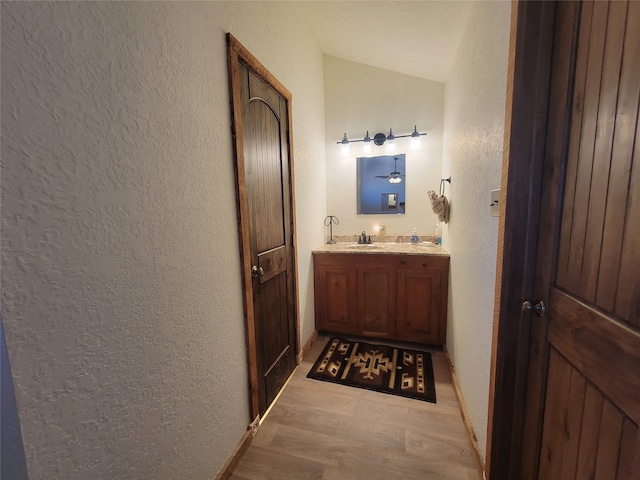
514 334
237 53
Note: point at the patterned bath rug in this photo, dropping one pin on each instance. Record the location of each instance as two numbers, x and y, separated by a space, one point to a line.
398 371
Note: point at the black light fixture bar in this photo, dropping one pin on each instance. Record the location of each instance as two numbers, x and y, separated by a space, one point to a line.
379 138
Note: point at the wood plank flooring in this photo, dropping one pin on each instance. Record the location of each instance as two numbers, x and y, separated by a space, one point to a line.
319 430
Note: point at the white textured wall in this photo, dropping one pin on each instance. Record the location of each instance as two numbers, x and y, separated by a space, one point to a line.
360 97
121 289
473 138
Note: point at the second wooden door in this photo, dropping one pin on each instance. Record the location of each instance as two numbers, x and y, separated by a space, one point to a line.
584 384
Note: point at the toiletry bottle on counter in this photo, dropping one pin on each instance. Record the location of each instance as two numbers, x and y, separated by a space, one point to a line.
414 236
438 234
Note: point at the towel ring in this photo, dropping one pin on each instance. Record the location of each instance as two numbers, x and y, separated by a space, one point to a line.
442 185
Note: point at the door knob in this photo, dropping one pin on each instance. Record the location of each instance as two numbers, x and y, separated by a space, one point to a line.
257 271
539 307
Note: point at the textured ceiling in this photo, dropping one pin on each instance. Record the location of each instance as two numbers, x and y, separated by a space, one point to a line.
418 38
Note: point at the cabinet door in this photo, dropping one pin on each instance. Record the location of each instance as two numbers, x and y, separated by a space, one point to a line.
335 297
422 301
377 297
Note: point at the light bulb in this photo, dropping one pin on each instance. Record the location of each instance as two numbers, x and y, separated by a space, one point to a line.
390 144
345 145
415 138
366 148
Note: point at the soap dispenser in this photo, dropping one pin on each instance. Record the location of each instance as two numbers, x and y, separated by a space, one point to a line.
414 236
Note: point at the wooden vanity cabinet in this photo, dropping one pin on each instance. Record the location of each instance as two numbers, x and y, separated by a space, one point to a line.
402 297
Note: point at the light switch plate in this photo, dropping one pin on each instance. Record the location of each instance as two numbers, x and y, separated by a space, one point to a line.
495 203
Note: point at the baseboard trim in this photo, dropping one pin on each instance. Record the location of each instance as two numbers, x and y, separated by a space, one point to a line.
307 346
232 462
463 409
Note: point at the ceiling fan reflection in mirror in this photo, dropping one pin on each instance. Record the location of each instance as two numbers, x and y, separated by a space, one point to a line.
395 176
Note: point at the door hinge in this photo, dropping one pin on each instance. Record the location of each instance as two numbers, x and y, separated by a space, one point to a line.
254 426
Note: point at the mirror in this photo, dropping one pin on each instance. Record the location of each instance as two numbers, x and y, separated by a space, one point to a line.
381 184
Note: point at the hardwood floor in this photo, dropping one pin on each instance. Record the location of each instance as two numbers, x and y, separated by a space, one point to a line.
319 430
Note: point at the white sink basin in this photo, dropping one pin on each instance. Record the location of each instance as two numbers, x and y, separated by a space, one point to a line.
365 246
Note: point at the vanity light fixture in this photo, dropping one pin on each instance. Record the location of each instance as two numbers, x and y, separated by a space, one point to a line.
380 139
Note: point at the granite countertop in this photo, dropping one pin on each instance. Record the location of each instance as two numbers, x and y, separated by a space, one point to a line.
401 248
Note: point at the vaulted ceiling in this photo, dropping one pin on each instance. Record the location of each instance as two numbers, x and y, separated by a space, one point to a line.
418 38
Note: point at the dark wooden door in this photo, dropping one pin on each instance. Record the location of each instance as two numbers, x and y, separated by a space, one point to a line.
266 211
583 410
